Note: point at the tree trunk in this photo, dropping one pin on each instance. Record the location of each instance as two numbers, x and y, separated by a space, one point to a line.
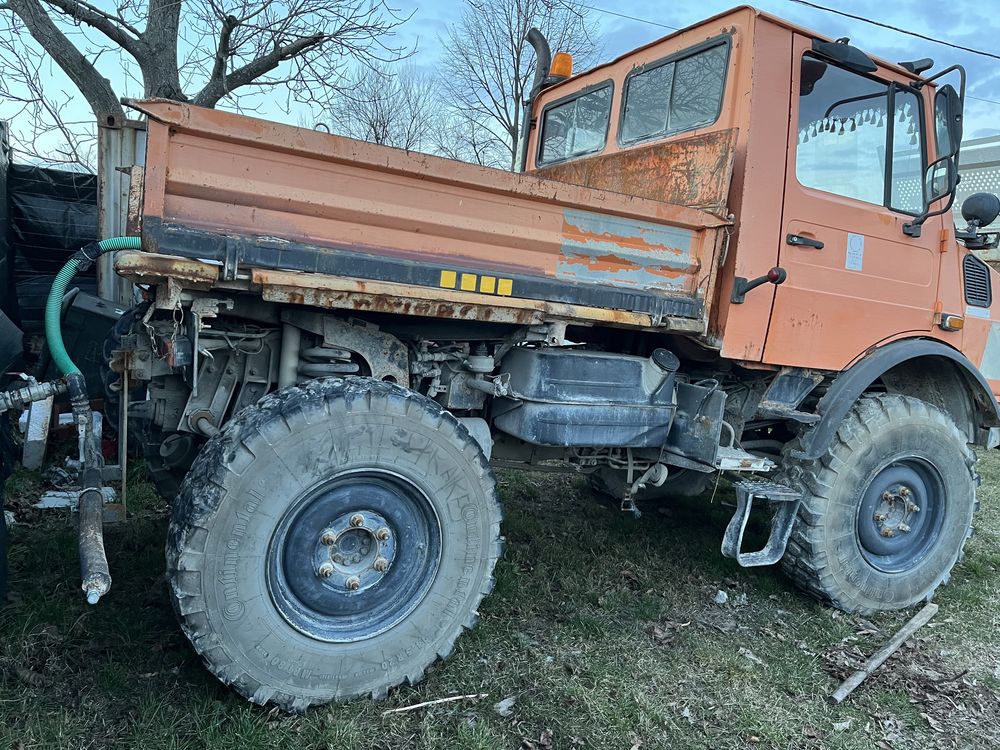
160 75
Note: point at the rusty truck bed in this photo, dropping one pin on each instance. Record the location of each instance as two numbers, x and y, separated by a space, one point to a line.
322 220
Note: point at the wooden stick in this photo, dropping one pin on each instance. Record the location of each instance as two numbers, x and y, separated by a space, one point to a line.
452 699
875 660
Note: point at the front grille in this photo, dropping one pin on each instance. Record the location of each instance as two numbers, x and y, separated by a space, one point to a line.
978 291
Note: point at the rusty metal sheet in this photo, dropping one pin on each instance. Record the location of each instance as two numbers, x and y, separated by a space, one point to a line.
693 172
232 176
133 220
372 296
153 268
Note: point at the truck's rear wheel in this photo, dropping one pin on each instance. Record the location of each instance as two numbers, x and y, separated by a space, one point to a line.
333 541
887 509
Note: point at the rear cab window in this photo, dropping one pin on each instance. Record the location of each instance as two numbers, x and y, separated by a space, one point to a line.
681 92
576 125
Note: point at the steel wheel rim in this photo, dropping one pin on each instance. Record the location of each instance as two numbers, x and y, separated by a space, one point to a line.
901 514
351 558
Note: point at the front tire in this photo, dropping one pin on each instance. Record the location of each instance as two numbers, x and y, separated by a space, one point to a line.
887 509
333 541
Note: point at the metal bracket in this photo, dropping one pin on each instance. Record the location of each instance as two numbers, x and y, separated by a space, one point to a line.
781 523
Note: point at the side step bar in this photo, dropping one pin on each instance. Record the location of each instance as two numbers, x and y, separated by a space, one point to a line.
781 524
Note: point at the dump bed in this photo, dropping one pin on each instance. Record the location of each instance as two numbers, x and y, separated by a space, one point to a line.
322 220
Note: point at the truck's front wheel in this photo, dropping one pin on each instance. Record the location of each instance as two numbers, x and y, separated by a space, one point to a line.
887 510
333 541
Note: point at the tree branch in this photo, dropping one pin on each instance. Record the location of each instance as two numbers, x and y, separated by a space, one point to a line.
218 87
113 28
94 87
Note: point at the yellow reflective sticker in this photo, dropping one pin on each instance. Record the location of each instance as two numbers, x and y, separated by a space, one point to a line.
505 287
487 284
448 279
468 282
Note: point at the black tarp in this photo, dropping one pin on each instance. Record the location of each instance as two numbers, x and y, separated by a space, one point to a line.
52 214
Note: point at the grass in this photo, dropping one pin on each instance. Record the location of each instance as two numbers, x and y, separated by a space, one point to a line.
602 628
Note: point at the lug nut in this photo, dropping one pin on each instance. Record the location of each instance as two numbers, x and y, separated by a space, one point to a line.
325 570
903 527
380 564
912 508
357 519
328 538
887 496
904 491
880 517
382 534
353 583
887 532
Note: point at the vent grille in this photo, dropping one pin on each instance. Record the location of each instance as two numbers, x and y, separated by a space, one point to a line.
978 292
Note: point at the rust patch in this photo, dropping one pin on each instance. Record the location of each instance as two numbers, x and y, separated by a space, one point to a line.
693 172
154 268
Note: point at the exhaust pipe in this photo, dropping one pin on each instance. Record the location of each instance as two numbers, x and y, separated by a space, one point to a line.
543 62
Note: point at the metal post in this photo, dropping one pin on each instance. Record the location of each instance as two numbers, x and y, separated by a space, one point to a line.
119 149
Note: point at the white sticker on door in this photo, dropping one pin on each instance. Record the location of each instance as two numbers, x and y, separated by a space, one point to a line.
855 252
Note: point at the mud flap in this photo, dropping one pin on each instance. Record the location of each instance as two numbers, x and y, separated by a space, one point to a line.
781 524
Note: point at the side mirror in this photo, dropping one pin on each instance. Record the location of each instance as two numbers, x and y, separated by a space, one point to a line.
981 209
949 115
940 181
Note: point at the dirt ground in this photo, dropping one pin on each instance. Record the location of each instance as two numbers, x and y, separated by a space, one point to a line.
603 632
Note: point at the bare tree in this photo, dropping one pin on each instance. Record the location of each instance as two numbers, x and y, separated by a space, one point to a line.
392 108
487 70
42 128
204 51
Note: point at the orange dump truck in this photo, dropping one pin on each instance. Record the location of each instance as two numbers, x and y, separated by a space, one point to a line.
729 251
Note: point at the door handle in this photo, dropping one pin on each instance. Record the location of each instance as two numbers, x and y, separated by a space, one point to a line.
799 240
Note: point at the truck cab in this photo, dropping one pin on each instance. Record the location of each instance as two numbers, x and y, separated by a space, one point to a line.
819 153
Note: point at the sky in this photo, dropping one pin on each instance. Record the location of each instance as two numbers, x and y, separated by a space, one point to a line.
968 23
626 24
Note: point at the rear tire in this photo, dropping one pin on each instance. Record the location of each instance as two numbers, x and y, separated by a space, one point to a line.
887 509
337 474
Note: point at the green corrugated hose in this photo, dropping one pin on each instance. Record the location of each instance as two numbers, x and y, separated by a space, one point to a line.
53 306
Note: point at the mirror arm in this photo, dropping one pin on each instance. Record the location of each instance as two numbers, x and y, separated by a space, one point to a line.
913 228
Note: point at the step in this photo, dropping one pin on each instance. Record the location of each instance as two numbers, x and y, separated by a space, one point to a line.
781 524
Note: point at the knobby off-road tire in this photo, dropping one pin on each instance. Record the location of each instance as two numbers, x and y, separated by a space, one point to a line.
337 473
895 462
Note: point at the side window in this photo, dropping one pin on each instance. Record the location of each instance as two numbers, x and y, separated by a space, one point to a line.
680 94
575 127
846 131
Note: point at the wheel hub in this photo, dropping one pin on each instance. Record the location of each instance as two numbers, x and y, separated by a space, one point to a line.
351 558
355 551
901 514
895 512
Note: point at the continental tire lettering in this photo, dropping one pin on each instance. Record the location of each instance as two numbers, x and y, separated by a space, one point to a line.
228 577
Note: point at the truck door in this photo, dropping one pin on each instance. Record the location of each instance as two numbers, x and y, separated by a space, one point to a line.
856 155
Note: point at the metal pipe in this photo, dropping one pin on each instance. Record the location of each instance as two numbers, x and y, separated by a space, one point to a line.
21 397
206 427
322 369
543 62
288 362
93 560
